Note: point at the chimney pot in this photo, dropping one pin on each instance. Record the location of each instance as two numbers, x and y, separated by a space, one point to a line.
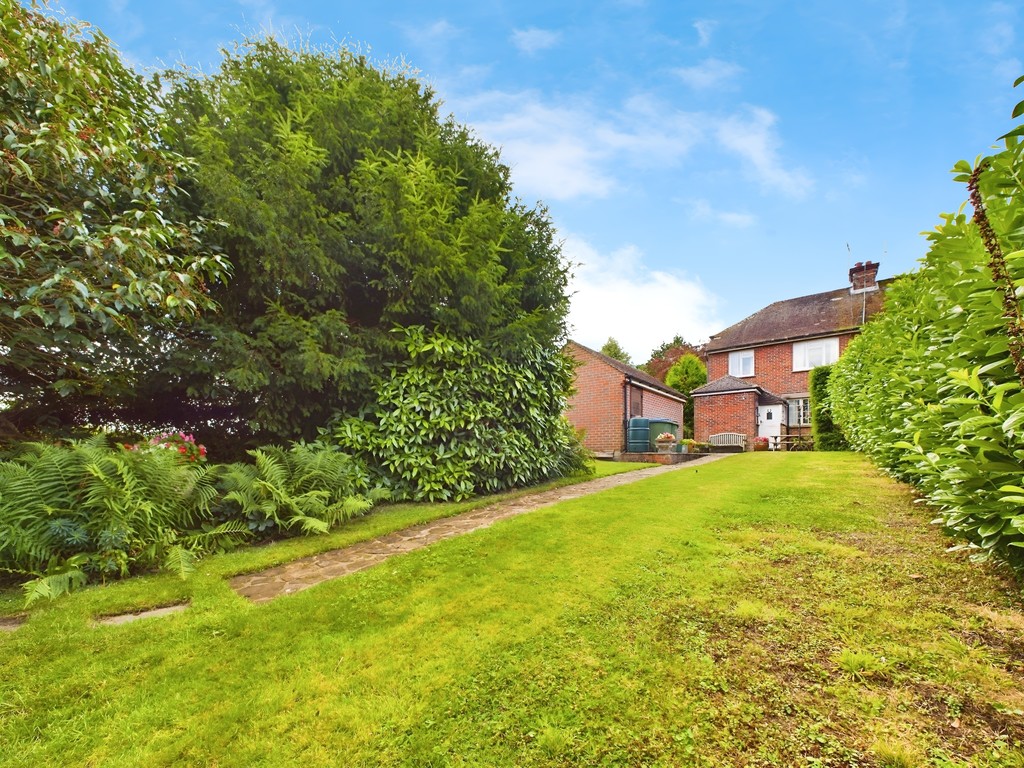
862 276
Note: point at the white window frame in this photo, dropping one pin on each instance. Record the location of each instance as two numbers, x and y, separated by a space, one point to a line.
811 354
800 412
738 363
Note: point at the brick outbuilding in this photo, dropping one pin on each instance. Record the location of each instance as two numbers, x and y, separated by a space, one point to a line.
608 393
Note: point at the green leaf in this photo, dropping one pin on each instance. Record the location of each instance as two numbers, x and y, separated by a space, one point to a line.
180 562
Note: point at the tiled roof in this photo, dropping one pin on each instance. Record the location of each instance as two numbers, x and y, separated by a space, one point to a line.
820 314
733 384
634 373
767 398
726 384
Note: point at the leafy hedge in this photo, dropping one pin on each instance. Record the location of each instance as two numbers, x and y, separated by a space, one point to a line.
827 436
933 389
453 420
89 511
456 419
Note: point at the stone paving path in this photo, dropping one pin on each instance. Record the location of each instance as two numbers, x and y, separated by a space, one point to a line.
310 571
124 618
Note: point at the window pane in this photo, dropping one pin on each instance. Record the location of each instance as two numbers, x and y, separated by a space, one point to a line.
811 354
804 407
741 363
831 351
800 412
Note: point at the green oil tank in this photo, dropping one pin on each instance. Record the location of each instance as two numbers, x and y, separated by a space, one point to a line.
639 438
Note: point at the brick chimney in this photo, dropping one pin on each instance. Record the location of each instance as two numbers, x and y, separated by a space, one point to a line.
862 277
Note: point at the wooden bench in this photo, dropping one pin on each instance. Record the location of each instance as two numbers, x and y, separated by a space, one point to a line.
729 440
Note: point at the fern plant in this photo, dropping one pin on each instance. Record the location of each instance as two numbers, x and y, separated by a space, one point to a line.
85 510
310 486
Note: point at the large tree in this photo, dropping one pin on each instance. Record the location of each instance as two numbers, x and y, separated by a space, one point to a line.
667 354
92 252
686 374
613 349
352 209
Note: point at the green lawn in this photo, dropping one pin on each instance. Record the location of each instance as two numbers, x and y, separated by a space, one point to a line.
789 610
164 589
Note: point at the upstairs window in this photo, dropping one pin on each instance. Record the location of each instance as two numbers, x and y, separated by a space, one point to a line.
741 363
811 354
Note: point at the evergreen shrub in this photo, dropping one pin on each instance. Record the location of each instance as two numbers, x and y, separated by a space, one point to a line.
457 418
827 436
933 388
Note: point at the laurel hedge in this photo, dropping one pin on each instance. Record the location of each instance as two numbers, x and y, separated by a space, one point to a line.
933 389
459 418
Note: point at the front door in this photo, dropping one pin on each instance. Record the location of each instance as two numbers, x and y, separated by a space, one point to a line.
769 423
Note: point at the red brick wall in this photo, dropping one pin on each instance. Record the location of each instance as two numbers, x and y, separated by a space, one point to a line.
736 412
773 367
596 405
660 407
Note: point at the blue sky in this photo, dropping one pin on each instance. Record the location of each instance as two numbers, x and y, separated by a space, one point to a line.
700 160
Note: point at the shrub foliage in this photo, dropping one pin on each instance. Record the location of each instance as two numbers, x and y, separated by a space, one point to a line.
456 418
310 486
352 206
685 375
932 388
92 248
87 511
348 207
827 436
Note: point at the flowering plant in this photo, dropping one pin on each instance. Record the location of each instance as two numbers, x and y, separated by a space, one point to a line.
185 445
665 436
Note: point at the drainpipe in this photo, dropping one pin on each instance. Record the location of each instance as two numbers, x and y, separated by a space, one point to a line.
625 413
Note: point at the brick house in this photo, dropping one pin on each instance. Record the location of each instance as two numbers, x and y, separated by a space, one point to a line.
608 393
758 369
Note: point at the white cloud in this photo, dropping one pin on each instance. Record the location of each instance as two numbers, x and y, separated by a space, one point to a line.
710 73
547 147
129 25
999 31
618 295
753 138
572 149
441 31
264 14
565 151
532 40
1000 40
704 29
702 211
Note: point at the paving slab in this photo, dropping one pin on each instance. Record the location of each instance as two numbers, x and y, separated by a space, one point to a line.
124 618
262 586
10 623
